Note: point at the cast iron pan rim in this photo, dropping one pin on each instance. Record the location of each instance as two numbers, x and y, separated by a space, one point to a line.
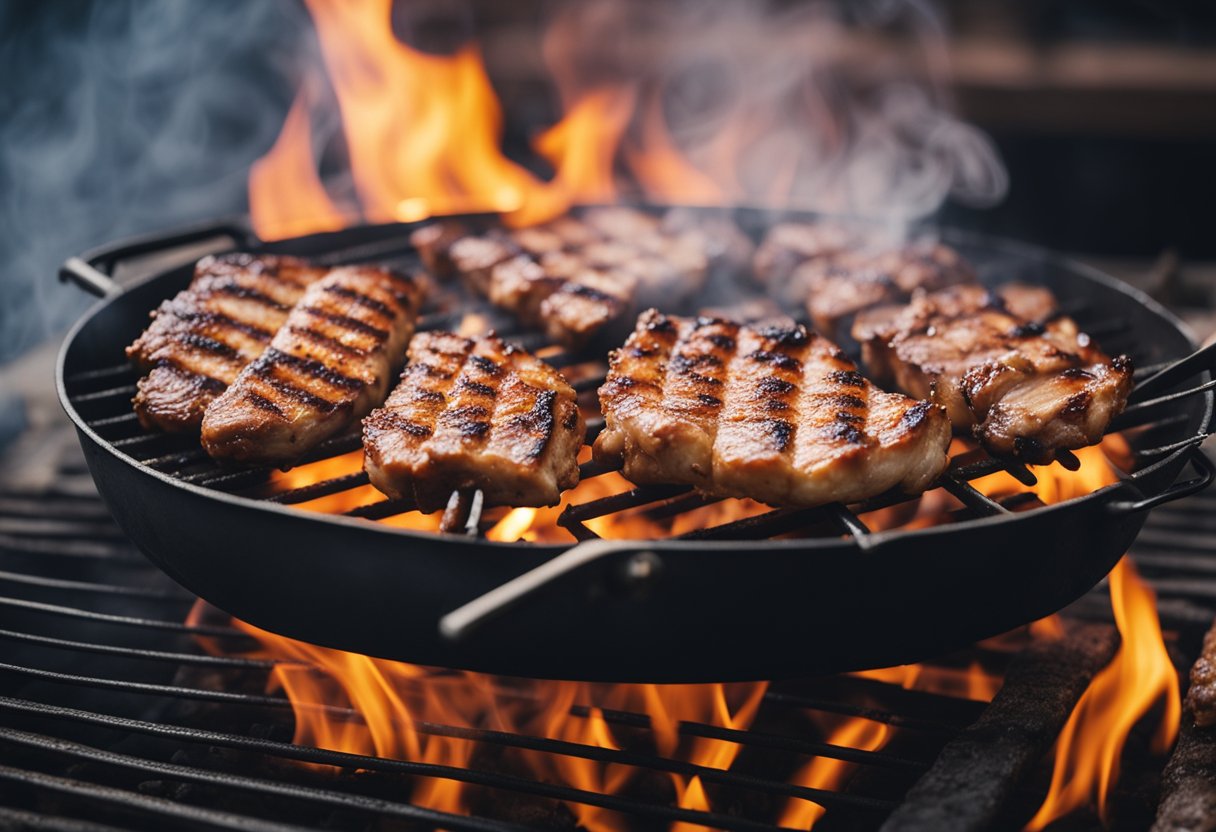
824 544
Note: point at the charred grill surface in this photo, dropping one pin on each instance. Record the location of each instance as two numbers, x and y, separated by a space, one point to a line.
327 366
200 340
474 413
770 412
1025 388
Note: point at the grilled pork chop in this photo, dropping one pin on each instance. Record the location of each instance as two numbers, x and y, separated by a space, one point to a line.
573 276
200 340
327 367
770 412
839 287
474 413
1024 383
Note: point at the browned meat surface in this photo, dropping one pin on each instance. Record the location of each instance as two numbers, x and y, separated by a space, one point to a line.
839 287
474 413
771 412
434 242
200 340
327 367
1024 388
576 275
788 245
1201 695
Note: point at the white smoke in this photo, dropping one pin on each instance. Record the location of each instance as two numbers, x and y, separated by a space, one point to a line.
125 116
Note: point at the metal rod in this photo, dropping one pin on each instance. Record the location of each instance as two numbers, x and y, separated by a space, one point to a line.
347 760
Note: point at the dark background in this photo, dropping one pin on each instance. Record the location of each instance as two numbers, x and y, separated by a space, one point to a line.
125 116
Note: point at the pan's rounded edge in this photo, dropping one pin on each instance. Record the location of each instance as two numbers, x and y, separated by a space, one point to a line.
308 576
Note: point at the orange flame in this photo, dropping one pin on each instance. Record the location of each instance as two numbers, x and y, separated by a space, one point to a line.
1140 676
423 131
286 197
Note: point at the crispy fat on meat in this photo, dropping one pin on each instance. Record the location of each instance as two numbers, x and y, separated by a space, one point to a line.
200 340
474 413
771 412
1024 387
328 366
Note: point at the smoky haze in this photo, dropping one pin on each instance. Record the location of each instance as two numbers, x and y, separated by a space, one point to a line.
127 116
122 117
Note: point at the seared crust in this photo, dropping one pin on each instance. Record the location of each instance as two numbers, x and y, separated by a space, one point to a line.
474 413
1024 388
770 412
839 287
573 277
201 339
327 366
1201 695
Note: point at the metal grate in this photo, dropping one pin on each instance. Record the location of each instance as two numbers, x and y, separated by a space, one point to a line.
102 397
112 713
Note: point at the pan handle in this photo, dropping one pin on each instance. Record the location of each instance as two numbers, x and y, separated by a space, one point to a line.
1206 472
1202 359
92 270
638 566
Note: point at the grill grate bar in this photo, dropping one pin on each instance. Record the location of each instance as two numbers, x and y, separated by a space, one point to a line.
137 653
123 620
503 738
850 709
260 786
142 802
124 390
324 488
167 595
347 760
972 497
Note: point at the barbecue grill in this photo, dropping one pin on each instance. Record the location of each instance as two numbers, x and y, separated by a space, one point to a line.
721 603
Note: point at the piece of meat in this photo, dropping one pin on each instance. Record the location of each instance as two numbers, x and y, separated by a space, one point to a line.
837 288
1024 388
1201 695
200 340
771 412
328 366
788 245
575 276
474 413
434 243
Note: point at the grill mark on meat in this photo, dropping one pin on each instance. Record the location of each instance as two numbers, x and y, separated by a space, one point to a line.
478 388
266 372
234 289
262 403
780 431
485 365
311 334
363 300
311 367
338 319
203 343
203 381
784 362
219 319
539 420
914 416
771 385
847 378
